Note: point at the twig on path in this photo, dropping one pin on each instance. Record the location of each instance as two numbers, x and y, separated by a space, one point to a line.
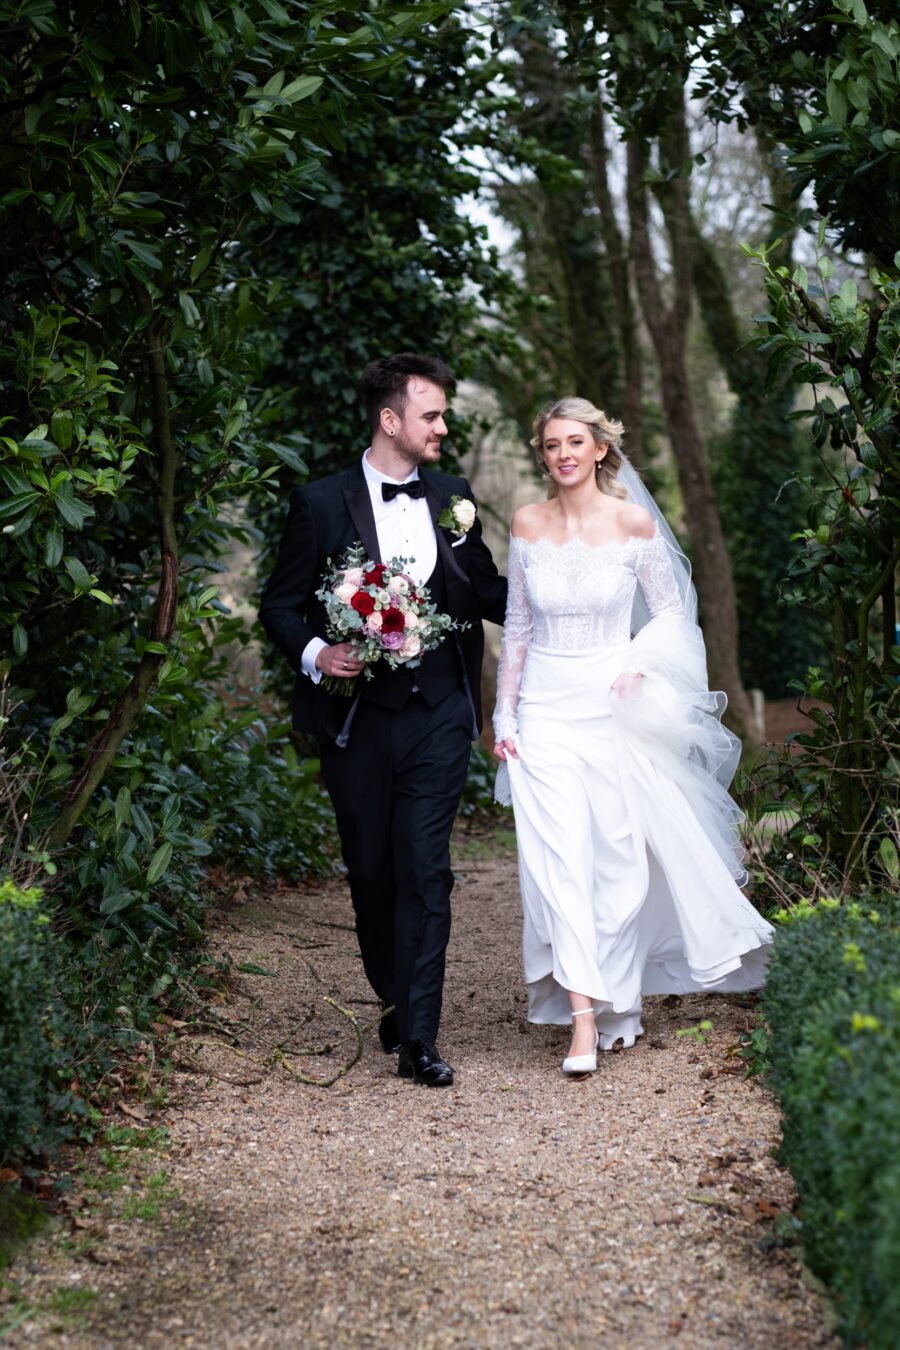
359 1029
279 1057
276 1054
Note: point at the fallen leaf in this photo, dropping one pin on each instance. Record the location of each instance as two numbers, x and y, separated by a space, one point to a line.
137 1112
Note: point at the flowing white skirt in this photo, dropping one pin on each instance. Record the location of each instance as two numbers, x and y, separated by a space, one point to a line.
624 891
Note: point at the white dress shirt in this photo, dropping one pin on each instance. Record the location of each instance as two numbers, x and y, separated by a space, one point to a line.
405 530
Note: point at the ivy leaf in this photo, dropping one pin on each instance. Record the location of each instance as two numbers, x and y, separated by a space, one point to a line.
73 511
849 293
53 546
116 901
122 807
887 853
158 863
143 252
78 572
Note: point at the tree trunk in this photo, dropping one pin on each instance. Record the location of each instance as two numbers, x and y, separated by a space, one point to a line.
105 745
625 317
667 324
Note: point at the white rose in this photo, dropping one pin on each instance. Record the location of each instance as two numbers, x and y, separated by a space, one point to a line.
424 627
464 514
399 585
410 620
411 647
345 592
374 622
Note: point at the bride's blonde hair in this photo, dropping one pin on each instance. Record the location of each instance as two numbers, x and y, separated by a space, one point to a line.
604 430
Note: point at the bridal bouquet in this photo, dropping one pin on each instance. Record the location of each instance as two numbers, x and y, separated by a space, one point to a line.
380 610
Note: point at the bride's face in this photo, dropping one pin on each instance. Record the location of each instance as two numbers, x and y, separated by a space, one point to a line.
570 452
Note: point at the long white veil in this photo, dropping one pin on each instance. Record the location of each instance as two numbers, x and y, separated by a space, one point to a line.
629 479
677 719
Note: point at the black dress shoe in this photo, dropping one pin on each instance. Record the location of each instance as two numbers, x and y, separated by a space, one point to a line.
388 1034
420 1061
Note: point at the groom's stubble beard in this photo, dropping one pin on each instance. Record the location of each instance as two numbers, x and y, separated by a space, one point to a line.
417 455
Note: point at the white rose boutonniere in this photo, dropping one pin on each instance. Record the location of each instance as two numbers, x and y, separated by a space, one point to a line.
458 517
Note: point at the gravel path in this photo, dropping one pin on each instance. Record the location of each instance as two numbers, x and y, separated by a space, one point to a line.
638 1208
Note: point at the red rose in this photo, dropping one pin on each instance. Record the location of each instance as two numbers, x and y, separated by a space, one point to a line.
374 575
392 621
363 603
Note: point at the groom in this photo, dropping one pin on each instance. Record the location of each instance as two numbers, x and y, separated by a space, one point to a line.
394 755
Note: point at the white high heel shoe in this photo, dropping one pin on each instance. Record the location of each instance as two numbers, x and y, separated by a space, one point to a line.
582 1063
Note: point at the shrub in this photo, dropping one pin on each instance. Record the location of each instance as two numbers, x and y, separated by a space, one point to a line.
478 793
27 1019
833 1005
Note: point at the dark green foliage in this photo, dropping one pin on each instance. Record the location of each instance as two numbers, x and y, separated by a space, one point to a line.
833 1006
28 1019
148 151
383 260
205 776
763 505
844 789
821 81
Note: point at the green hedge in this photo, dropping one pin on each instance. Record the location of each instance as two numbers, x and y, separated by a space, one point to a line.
27 1020
833 1006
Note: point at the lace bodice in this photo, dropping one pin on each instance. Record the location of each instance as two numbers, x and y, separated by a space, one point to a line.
575 597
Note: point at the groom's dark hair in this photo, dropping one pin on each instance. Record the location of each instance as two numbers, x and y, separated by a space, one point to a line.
383 383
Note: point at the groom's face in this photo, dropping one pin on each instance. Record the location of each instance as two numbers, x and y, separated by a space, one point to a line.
422 426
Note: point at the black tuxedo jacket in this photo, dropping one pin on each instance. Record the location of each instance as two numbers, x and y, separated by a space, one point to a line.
325 519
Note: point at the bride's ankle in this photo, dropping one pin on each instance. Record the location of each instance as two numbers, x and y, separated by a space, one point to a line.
583 1032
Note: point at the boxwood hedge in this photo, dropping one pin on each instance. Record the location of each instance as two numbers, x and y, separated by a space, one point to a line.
28 1039
833 1008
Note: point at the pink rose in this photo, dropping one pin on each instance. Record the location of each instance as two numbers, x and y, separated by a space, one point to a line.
353 576
410 619
345 592
373 623
411 647
399 584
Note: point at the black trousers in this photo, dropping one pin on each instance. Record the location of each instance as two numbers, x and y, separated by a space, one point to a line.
395 790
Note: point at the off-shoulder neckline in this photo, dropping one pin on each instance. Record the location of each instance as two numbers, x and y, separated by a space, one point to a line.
593 548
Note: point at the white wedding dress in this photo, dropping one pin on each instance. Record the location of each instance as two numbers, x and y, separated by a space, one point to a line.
627 839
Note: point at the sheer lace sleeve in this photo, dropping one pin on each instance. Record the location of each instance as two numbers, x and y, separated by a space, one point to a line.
514 644
657 578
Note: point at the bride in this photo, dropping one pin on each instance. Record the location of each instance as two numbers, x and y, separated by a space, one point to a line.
613 753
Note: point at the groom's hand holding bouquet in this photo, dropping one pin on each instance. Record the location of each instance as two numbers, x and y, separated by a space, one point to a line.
377 612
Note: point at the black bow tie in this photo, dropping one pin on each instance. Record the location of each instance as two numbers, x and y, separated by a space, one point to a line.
414 488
